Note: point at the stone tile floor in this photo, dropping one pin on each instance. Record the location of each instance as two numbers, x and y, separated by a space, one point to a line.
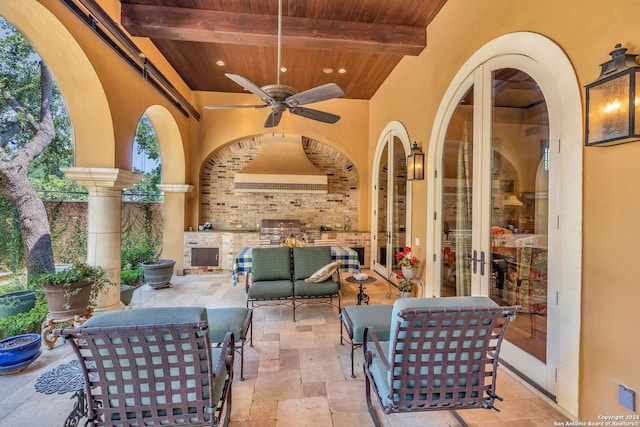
296 374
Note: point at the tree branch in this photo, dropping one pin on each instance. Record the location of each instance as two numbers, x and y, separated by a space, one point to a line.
9 133
13 103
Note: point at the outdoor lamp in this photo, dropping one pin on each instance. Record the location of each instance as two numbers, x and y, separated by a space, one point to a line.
415 164
612 116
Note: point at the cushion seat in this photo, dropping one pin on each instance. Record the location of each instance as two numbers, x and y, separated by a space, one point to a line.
270 289
310 289
354 320
237 320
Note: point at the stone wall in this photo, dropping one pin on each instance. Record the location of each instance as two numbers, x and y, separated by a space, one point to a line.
68 222
225 210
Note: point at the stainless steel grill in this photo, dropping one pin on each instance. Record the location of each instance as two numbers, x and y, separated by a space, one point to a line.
275 230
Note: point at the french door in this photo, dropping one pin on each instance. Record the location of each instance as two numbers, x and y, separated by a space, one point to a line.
390 212
496 168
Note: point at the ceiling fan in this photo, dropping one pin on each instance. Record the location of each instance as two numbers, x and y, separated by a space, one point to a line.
280 97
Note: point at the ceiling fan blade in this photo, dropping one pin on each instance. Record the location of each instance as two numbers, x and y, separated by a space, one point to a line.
316 94
273 119
309 113
225 107
251 87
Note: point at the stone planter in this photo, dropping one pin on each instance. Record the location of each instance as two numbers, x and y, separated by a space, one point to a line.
126 293
158 272
68 301
16 302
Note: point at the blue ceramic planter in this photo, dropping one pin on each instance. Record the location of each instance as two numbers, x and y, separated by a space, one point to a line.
19 349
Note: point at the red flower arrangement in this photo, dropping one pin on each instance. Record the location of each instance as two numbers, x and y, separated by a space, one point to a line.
405 259
448 257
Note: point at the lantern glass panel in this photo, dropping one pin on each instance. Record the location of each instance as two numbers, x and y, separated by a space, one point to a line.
609 109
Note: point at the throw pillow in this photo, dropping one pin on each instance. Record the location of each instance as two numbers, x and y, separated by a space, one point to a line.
324 273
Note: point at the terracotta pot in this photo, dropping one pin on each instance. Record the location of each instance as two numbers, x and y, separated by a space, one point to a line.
61 297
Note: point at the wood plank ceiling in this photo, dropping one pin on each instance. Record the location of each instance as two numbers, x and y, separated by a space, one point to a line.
365 38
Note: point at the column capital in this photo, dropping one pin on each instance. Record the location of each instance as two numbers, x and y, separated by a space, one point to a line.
103 178
175 188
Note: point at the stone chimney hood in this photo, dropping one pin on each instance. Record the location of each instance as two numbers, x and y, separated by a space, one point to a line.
281 166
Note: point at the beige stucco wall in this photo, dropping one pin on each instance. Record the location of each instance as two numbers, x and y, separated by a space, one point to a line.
586 30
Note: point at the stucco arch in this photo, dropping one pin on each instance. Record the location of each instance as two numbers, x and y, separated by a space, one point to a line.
393 129
565 115
171 144
83 92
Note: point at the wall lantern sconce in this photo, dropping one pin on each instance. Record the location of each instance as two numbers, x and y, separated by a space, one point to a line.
612 114
415 164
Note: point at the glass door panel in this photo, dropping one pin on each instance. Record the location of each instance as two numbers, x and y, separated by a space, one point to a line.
382 234
457 198
519 194
398 204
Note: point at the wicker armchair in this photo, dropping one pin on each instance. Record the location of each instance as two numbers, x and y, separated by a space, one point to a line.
442 354
154 374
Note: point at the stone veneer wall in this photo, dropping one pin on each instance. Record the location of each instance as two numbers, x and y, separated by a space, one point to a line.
225 209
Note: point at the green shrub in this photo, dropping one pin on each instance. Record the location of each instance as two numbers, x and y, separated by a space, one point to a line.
29 322
131 276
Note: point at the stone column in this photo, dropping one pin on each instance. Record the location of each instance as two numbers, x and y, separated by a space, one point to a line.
105 187
173 226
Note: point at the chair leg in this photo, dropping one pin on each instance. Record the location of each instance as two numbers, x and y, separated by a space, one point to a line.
457 416
353 349
372 411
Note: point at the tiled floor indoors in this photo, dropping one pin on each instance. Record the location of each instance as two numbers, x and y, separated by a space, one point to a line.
296 374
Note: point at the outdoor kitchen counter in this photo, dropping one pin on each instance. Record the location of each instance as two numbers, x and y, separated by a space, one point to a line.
222 246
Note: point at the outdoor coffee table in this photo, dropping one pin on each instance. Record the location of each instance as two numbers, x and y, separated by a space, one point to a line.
66 378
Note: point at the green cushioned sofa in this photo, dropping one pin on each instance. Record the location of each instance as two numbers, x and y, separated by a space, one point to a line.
278 277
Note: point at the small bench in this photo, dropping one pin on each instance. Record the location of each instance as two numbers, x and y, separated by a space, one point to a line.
238 320
354 320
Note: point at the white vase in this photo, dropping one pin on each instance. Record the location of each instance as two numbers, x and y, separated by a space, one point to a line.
404 294
409 273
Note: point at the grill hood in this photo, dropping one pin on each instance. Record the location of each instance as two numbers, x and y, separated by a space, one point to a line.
281 166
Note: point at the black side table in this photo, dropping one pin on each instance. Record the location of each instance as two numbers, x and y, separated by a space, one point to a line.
362 297
63 379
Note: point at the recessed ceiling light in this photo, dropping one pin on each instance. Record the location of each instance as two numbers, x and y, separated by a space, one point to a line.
342 70
327 70
220 63
283 69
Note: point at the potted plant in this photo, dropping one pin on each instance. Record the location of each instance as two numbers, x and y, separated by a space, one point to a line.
405 286
130 279
158 272
16 301
73 291
408 264
18 352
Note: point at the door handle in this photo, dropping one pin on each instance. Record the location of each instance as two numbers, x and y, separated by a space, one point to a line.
477 260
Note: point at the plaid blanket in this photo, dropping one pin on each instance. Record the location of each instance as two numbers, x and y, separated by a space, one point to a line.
349 261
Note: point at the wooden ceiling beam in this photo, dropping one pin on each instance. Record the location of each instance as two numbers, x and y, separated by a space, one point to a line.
199 25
